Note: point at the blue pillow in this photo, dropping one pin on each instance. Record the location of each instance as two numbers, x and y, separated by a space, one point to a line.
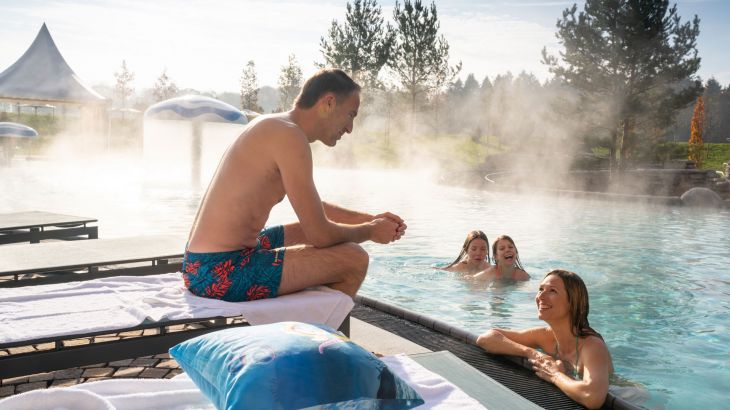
290 365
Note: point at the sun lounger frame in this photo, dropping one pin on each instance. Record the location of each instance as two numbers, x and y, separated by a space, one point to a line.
106 258
63 357
16 228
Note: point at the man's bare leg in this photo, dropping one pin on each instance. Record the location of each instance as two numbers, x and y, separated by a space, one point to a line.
342 267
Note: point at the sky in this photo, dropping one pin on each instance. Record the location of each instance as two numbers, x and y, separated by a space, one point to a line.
206 44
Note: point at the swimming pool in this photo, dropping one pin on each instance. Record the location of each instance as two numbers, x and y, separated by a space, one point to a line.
658 276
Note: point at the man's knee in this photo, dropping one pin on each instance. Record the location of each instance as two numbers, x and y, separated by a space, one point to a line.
358 257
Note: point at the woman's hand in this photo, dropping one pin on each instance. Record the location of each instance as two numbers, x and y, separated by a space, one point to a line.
546 368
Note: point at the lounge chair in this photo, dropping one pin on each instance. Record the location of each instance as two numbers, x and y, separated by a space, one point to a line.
23 264
35 226
62 325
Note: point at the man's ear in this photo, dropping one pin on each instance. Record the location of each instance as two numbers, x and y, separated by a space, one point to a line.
330 101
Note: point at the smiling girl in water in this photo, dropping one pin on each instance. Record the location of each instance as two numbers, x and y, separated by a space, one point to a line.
474 255
507 263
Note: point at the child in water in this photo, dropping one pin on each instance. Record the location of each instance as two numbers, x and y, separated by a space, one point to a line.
474 255
507 263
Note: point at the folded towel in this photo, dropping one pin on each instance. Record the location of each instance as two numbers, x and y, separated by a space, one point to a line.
45 311
437 392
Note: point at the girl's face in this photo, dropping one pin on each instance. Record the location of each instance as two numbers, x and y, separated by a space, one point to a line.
477 251
552 299
506 253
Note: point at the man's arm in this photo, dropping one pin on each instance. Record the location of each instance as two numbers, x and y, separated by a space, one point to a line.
339 214
293 157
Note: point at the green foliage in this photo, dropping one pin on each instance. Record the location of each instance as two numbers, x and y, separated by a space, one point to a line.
124 88
715 154
632 61
250 88
290 82
421 56
362 45
164 88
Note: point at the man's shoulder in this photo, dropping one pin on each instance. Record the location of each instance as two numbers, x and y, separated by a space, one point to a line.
277 123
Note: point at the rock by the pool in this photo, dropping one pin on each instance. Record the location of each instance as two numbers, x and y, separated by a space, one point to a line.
701 197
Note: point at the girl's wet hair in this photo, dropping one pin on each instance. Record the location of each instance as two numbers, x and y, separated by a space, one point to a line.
518 263
577 302
465 248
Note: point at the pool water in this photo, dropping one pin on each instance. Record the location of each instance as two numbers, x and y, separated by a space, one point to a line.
658 277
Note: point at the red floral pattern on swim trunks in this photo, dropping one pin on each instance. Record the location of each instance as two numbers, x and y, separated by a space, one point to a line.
258 292
222 283
192 267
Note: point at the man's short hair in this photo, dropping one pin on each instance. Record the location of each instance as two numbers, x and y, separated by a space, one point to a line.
326 80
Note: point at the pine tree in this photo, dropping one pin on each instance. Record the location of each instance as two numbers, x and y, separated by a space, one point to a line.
421 56
290 82
695 146
164 88
362 45
631 60
124 87
250 88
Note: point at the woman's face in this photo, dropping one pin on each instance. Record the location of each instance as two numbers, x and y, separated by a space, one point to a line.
552 299
477 251
506 253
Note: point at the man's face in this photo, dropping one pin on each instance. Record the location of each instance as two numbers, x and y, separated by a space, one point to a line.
341 118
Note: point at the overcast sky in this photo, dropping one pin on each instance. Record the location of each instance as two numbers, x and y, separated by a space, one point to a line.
205 44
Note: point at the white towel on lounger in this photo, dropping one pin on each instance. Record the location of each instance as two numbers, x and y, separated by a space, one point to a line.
180 393
47 311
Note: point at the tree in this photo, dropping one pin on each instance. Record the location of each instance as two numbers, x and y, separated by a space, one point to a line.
711 97
250 88
290 82
362 45
421 56
695 146
164 88
124 88
631 60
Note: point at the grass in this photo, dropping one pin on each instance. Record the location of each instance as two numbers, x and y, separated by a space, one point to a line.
715 154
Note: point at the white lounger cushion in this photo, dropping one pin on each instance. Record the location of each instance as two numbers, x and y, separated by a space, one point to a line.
181 393
45 311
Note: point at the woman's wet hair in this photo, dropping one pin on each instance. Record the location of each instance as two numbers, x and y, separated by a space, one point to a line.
465 248
326 80
518 263
577 302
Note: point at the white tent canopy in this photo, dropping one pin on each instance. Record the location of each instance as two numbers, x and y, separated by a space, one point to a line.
42 74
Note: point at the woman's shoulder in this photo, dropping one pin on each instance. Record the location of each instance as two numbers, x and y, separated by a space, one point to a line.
520 274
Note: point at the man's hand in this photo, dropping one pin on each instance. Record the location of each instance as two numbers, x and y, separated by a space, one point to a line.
383 230
397 219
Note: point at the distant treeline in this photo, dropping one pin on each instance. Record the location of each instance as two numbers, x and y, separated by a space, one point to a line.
624 82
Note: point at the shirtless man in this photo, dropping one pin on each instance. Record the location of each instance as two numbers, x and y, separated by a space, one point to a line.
230 256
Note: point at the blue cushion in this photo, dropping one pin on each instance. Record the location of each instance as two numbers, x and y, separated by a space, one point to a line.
290 365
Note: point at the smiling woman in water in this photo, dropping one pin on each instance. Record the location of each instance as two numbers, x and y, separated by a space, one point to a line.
474 255
507 263
568 352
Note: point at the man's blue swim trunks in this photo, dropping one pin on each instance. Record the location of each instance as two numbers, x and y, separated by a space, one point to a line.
238 276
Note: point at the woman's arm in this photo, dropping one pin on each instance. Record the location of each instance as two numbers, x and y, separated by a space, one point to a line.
591 391
522 343
485 275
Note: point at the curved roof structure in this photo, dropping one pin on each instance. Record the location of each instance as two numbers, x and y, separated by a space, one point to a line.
42 74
